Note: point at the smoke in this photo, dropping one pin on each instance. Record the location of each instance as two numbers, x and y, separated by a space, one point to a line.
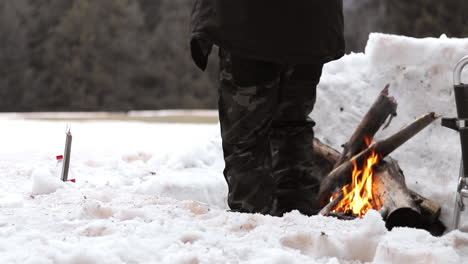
361 18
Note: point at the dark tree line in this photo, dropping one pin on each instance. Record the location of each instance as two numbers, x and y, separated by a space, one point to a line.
93 55
417 18
117 55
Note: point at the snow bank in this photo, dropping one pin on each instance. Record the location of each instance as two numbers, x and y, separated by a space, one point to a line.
155 193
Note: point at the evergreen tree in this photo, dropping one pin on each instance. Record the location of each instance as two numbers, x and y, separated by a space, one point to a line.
181 85
91 55
13 55
422 18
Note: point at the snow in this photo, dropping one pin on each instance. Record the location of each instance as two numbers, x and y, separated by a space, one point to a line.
45 182
155 193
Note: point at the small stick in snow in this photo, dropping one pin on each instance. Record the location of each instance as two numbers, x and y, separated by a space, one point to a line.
66 156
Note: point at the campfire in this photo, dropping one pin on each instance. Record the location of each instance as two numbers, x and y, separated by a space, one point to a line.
363 177
358 196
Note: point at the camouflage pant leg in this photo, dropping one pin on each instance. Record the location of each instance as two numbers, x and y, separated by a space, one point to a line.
295 173
248 98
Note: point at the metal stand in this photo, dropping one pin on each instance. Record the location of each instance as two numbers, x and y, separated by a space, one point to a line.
462 193
460 124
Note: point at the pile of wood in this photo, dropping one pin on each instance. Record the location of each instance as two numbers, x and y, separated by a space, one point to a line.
401 206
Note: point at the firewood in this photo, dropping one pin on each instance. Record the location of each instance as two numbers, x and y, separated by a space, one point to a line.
399 208
382 108
327 210
325 152
398 205
342 216
388 145
340 176
429 209
322 160
404 207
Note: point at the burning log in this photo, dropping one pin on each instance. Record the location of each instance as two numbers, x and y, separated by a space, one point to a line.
429 209
382 108
340 176
398 205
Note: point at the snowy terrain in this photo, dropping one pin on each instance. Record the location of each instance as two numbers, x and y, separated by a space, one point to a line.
154 193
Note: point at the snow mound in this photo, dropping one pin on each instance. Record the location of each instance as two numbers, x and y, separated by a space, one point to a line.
357 243
418 248
45 182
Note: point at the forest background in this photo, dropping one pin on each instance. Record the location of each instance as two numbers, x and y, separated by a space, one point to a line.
120 55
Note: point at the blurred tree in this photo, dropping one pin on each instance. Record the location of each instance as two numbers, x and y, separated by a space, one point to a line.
41 17
134 54
13 55
422 18
170 61
114 55
150 10
90 56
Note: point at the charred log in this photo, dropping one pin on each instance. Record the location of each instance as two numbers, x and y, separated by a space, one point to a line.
323 159
399 208
390 144
382 108
429 209
325 152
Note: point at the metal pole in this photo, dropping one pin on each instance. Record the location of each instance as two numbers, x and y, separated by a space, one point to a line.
66 156
461 100
458 70
459 205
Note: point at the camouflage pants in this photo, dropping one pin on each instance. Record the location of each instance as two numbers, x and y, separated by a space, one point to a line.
267 134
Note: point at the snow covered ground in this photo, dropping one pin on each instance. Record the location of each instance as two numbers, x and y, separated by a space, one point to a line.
154 193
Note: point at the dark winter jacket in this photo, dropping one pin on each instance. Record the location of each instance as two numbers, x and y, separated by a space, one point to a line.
295 31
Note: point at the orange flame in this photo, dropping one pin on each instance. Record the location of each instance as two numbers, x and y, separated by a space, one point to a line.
358 196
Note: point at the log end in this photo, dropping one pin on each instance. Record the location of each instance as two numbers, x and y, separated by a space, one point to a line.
385 91
404 217
407 217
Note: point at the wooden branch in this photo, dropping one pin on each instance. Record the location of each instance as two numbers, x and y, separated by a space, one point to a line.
382 108
388 145
326 152
331 205
341 175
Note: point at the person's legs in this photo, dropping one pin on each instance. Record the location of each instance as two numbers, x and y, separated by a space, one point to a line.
291 139
248 99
